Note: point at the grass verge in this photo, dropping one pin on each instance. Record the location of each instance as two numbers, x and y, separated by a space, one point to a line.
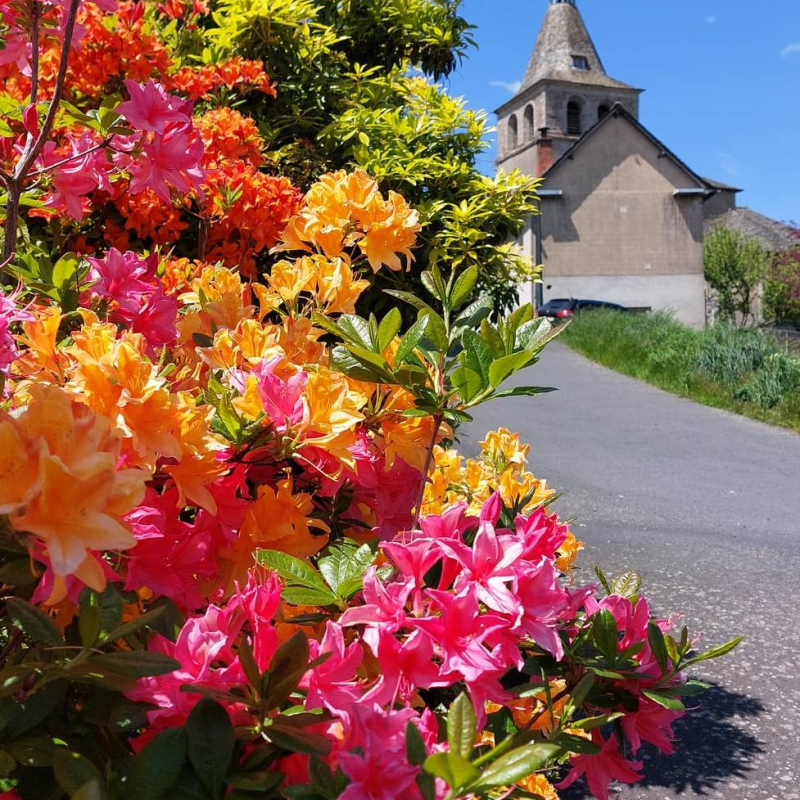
747 372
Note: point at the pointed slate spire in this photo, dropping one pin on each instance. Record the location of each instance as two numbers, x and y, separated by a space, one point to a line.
564 51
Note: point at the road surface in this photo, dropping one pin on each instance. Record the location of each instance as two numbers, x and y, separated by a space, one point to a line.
706 505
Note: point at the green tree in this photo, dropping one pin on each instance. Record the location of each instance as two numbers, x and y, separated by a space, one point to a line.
782 289
734 265
356 88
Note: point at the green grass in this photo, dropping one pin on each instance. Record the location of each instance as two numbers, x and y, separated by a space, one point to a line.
747 372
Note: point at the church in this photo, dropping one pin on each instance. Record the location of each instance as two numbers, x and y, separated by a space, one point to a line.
622 216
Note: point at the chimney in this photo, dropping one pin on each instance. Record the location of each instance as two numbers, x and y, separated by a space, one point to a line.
544 152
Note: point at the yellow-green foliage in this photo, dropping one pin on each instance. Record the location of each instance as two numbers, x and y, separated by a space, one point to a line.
356 87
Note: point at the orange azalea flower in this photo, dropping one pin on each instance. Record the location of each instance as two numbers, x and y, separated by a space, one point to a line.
568 553
344 209
331 414
66 489
221 295
40 337
277 520
539 787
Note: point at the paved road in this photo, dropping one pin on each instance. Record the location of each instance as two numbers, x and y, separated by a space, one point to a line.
707 506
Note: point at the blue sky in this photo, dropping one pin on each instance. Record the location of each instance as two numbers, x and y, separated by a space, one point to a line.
722 80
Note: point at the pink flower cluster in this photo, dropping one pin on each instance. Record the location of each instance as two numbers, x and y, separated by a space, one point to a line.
164 154
464 599
10 312
135 294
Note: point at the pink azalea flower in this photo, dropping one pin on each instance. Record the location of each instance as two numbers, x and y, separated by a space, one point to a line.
333 683
384 607
204 651
541 535
169 160
460 634
542 603
151 108
282 400
405 666
651 723
381 771
487 565
608 765
10 313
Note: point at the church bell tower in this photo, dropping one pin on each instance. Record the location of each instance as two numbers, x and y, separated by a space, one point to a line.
564 92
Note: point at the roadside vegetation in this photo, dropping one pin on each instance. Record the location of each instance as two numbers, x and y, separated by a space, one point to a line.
745 371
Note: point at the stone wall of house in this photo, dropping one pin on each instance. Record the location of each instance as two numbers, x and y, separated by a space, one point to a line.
619 233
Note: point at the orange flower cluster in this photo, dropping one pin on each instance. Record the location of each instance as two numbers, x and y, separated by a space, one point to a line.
235 73
229 136
59 481
148 217
127 49
347 209
330 283
249 211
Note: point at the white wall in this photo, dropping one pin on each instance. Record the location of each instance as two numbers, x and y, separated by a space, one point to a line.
684 295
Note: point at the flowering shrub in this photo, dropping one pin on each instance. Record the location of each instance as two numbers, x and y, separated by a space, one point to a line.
239 557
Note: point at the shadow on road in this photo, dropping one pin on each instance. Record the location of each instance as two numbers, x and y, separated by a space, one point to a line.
713 747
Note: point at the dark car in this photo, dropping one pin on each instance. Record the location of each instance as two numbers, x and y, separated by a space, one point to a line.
567 306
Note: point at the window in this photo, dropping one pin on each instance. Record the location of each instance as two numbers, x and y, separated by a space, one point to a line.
573 118
513 133
529 123
602 111
580 62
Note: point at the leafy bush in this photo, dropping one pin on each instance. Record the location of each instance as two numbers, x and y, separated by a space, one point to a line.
782 290
734 265
238 557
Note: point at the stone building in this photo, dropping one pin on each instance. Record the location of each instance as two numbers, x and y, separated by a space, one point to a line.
622 217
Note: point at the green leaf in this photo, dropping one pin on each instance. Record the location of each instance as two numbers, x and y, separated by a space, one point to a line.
8 764
411 339
655 638
715 652
606 635
210 739
474 313
297 740
73 771
665 700
302 596
476 355
628 584
523 391
463 287
578 694
129 628
134 663
461 726
286 669
590 723
65 269
156 769
416 752
577 744
691 688
355 330
516 765
347 363
452 768
389 327
467 383
506 366
108 604
344 562
33 622
292 570
603 580
89 625
411 299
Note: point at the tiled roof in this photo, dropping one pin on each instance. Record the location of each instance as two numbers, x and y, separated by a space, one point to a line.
773 235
